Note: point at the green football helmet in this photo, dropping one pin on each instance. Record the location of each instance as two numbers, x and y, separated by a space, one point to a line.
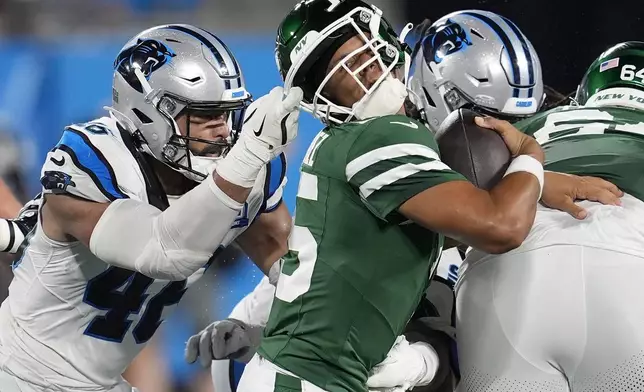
310 34
615 78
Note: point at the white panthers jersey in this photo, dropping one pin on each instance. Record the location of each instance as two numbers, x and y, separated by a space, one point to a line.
71 320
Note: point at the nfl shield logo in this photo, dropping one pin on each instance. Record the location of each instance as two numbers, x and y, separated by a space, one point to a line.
606 65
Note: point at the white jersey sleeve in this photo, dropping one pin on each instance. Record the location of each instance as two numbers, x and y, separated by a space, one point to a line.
255 307
91 162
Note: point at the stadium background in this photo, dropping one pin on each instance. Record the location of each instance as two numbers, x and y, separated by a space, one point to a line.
56 69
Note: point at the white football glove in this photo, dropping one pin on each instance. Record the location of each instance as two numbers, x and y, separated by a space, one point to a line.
406 366
270 124
224 339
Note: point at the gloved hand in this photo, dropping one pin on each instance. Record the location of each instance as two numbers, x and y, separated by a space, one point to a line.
224 339
406 366
270 124
28 214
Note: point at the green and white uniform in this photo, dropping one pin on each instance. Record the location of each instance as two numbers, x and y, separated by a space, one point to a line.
606 142
356 268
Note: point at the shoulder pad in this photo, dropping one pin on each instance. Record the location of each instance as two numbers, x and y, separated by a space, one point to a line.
90 161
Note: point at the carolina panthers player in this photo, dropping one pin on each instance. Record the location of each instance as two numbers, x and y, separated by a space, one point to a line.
451 70
562 312
482 61
475 59
135 206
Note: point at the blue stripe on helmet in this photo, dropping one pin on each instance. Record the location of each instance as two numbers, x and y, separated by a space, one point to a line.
516 76
232 58
526 51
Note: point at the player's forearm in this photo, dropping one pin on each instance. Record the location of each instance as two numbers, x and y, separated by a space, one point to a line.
515 205
235 192
507 215
494 222
266 240
172 244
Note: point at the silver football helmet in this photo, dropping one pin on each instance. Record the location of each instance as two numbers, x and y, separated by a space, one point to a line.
169 70
475 59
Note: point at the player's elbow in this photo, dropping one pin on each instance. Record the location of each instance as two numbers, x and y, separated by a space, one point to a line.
504 234
158 262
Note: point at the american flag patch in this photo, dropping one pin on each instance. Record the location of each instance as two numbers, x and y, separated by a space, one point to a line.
606 65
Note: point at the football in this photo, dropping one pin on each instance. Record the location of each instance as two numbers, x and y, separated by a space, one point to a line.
477 153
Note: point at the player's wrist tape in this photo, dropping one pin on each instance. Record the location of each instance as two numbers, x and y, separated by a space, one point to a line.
11 236
243 162
526 163
170 245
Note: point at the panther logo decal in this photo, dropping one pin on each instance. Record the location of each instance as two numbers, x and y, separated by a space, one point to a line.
444 39
147 55
56 181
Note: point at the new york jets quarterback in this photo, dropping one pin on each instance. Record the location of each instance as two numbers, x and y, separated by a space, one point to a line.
373 202
135 206
562 312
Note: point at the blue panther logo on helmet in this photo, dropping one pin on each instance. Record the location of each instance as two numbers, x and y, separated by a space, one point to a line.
444 39
147 54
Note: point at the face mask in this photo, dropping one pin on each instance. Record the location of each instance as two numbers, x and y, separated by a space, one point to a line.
388 98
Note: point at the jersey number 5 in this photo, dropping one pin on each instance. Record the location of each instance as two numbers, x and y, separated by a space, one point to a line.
121 293
297 270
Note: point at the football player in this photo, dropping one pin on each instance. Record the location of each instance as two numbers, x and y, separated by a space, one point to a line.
230 327
476 60
136 203
372 200
482 61
562 312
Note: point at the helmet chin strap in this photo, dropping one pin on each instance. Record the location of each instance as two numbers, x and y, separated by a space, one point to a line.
150 94
401 38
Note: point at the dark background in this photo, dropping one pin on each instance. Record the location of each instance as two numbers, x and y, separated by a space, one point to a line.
567 34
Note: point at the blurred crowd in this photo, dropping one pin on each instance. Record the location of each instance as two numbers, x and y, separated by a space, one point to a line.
93 30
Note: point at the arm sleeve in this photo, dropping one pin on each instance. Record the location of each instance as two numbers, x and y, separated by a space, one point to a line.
392 160
255 307
172 244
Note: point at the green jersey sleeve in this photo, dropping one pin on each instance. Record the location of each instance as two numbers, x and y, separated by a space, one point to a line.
393 159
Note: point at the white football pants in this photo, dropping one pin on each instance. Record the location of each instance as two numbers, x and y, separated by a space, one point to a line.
553 319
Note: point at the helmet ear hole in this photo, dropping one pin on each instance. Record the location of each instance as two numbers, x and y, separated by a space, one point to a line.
141 116
428 97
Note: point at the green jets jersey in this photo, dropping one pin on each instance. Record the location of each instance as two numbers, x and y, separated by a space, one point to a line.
605 142
356 269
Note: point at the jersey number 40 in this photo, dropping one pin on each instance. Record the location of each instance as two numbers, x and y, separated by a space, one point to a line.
122 293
